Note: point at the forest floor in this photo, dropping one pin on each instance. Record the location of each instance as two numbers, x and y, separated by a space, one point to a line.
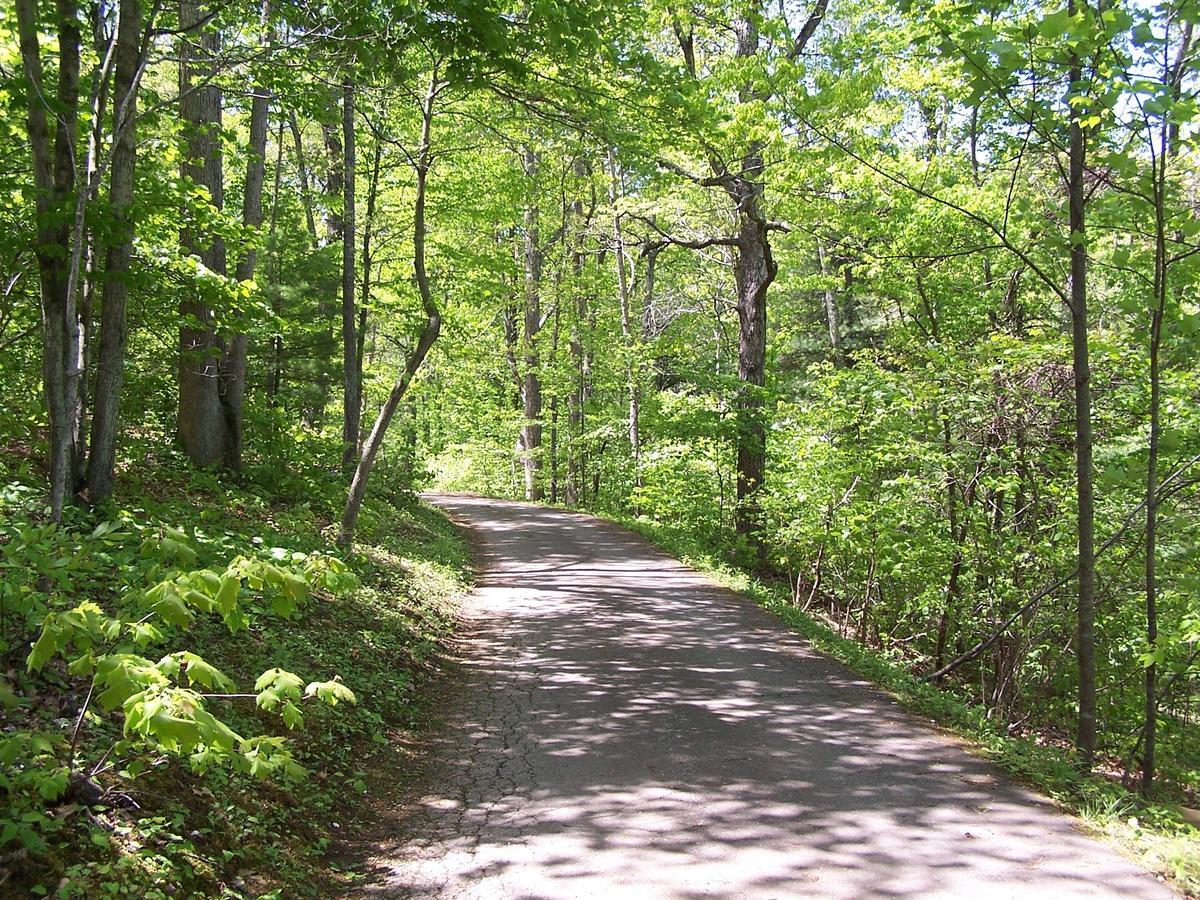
221 833
621 723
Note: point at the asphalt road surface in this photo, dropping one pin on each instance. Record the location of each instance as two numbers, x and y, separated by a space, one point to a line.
622 728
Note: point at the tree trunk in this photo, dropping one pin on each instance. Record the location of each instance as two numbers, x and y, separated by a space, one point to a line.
1085 650
531 390
831 310
201 421
573 491
351 400
105 49
54 180
554 410
754 270
425 340
233 363
110 363
1169 135
302 171
276 379
334 191
631 349
367 264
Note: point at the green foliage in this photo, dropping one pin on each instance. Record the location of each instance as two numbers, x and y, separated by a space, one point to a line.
149 632
599 172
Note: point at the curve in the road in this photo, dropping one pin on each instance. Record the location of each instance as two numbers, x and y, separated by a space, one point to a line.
626 729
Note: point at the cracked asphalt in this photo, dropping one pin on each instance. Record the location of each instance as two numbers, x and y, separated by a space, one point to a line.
624 728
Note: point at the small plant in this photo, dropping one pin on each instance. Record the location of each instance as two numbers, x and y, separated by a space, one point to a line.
164 705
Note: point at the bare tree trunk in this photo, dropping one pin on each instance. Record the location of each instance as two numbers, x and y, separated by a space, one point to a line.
425 340
302 171
531 391
831 310
105 49
351 400
554 410
201 422
754 270
110 363
754 265
233 363
276 379
368 262
1085 641
55 182
334 191
631 348
573 491
1168 135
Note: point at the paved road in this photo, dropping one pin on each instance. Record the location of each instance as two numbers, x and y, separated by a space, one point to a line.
625 729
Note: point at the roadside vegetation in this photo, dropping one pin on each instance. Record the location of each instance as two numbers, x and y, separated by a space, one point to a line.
892 304
190 745
1162 834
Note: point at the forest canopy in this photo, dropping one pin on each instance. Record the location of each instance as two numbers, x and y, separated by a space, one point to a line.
891 304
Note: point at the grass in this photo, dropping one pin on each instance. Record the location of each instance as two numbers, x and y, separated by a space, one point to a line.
1151 833
170 832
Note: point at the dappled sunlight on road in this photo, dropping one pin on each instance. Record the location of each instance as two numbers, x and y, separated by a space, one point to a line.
626 727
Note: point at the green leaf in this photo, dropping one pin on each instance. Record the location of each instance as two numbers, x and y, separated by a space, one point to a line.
46 646
330 692
291 715
227 593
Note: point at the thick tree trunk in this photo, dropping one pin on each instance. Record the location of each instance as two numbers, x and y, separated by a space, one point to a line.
54 180
201 421
1085 641
754 270
233 363
110 361
351 400
531 390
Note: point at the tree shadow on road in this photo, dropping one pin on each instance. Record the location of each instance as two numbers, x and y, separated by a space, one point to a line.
625 726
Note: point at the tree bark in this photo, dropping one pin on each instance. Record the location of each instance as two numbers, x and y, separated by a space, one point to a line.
425 340
573 490
531 390
201 421
233 362
105 49
831 310
1085 649
1168 136
54 181
368 262
110 361
276 379
351 400
334 191
302 171
631 349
